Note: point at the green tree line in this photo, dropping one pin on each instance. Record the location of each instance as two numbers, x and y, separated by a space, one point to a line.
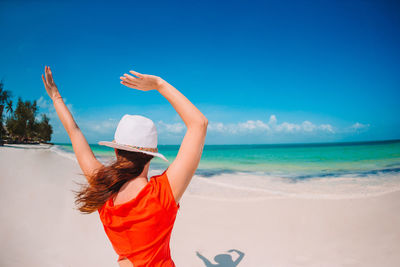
20 125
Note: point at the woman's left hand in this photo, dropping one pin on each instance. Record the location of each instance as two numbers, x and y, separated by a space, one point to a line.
49 84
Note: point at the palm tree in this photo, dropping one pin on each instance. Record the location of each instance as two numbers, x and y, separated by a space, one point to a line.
21 123
45 129
4 94
9 107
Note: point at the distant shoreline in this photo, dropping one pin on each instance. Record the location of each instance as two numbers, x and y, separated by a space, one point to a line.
26 143
286 144
28 146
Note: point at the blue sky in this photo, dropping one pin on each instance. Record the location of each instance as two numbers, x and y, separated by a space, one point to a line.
261 72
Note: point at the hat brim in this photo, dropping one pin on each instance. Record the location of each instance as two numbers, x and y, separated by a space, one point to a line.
128 148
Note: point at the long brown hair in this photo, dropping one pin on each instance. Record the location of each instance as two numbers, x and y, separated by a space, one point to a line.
107 181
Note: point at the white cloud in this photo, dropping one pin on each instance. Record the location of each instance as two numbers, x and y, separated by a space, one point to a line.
287 127
46 107
304 127
253 126
177 127
103 126
272 120
216 127
250 126
256 130
308 126
272 126
43 103
359 126
327 127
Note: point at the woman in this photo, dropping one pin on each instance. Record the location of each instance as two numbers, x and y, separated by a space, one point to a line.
137 214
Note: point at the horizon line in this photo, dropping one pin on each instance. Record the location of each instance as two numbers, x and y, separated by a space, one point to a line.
272 144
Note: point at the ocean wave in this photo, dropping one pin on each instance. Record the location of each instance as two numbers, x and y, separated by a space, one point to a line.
299 176
62 152
244 186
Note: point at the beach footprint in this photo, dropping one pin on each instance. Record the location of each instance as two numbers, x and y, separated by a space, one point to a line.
223 260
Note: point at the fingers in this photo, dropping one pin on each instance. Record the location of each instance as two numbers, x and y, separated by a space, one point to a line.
130 85
131 78
125 79
47 74
50 75
136 74
127 82
45 70
44 81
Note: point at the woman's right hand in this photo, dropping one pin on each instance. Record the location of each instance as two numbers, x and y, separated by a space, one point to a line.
143 82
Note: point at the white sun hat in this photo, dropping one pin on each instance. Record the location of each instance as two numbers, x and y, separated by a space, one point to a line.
137 134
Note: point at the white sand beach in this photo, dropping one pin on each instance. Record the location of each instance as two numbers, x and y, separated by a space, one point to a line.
40 225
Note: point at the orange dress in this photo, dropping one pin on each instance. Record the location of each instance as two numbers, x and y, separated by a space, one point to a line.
140 229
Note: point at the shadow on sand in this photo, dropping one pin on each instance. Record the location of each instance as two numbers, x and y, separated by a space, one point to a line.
222 260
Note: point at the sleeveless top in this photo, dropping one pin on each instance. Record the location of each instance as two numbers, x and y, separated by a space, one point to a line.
140 229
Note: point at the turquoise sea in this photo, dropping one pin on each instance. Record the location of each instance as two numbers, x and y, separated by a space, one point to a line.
372 166
290 160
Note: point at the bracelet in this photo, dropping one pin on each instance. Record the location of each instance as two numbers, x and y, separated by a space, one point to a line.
57 97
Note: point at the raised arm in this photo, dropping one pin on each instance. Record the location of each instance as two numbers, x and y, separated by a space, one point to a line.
241 255
84 154
182 169
205 260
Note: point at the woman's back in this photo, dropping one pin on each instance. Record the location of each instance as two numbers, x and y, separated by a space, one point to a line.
140 229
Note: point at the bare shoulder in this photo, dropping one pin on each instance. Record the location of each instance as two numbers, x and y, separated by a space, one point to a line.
125 263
